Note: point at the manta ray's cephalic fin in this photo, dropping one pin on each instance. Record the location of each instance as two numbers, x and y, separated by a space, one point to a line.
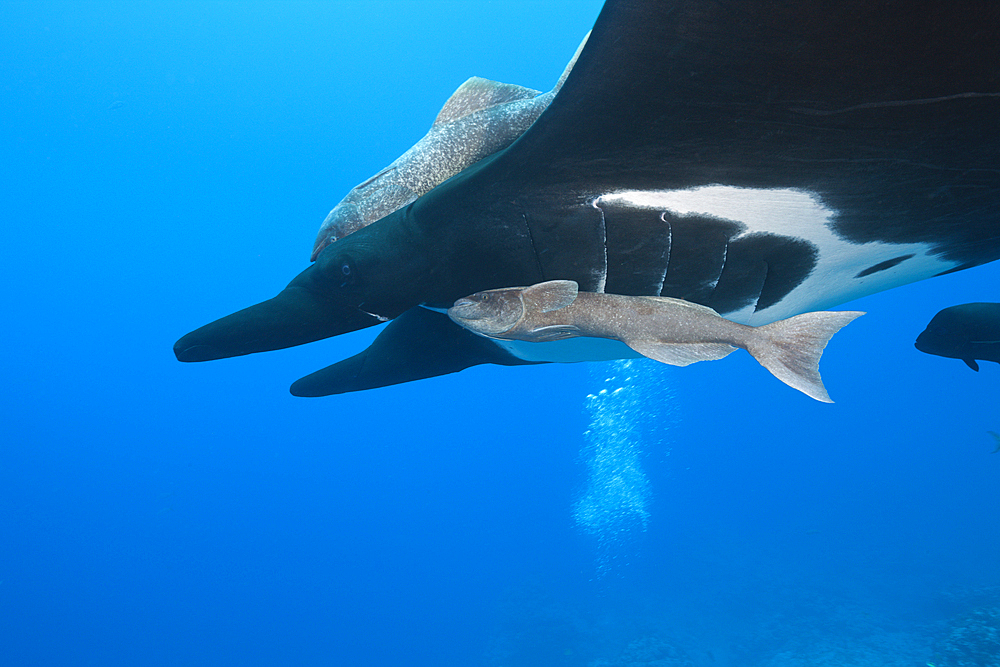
418 344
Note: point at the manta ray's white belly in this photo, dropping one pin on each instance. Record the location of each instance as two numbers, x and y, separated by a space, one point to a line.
844 270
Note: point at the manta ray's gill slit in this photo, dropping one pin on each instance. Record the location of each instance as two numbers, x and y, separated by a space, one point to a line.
756 302
722 266
602 279
534 248
637 248
670 245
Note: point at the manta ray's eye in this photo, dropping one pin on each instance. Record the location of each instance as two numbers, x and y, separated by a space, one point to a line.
345 272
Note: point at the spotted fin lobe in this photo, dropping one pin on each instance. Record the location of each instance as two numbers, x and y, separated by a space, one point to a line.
477 94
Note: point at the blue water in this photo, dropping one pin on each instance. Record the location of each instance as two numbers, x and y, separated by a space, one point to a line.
168 163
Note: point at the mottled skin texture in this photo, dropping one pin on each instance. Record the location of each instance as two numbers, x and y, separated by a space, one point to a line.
481 118
443 152
634 318
556 310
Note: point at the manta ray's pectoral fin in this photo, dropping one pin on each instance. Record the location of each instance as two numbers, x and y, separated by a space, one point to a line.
971 363
418 344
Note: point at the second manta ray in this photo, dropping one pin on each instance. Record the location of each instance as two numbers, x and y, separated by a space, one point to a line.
673 331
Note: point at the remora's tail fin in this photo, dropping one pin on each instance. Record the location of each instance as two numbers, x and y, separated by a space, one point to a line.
790 349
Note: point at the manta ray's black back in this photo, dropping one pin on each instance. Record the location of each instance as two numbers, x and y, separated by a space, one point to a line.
890 111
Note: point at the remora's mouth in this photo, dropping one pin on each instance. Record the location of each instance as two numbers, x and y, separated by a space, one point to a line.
466 309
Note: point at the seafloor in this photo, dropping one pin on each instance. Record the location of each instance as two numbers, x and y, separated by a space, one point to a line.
815 632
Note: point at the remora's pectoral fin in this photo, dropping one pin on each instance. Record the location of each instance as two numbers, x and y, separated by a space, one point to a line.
971 363
557 332
477 94
551 295
418 344
681 354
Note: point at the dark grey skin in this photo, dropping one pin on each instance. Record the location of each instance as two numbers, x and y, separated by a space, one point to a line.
672 331
968 332
883 115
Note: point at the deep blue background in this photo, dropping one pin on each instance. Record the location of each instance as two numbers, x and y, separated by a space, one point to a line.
168 163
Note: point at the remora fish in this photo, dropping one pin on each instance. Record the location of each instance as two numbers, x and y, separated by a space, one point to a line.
480 118
968 332
673 331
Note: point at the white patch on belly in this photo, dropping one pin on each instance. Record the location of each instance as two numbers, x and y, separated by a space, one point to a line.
779 211
798 214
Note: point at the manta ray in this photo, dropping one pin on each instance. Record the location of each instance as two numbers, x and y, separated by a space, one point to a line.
970 332
762 159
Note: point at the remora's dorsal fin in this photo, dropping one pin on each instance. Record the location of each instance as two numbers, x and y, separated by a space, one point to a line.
477 94
681 303
548 296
